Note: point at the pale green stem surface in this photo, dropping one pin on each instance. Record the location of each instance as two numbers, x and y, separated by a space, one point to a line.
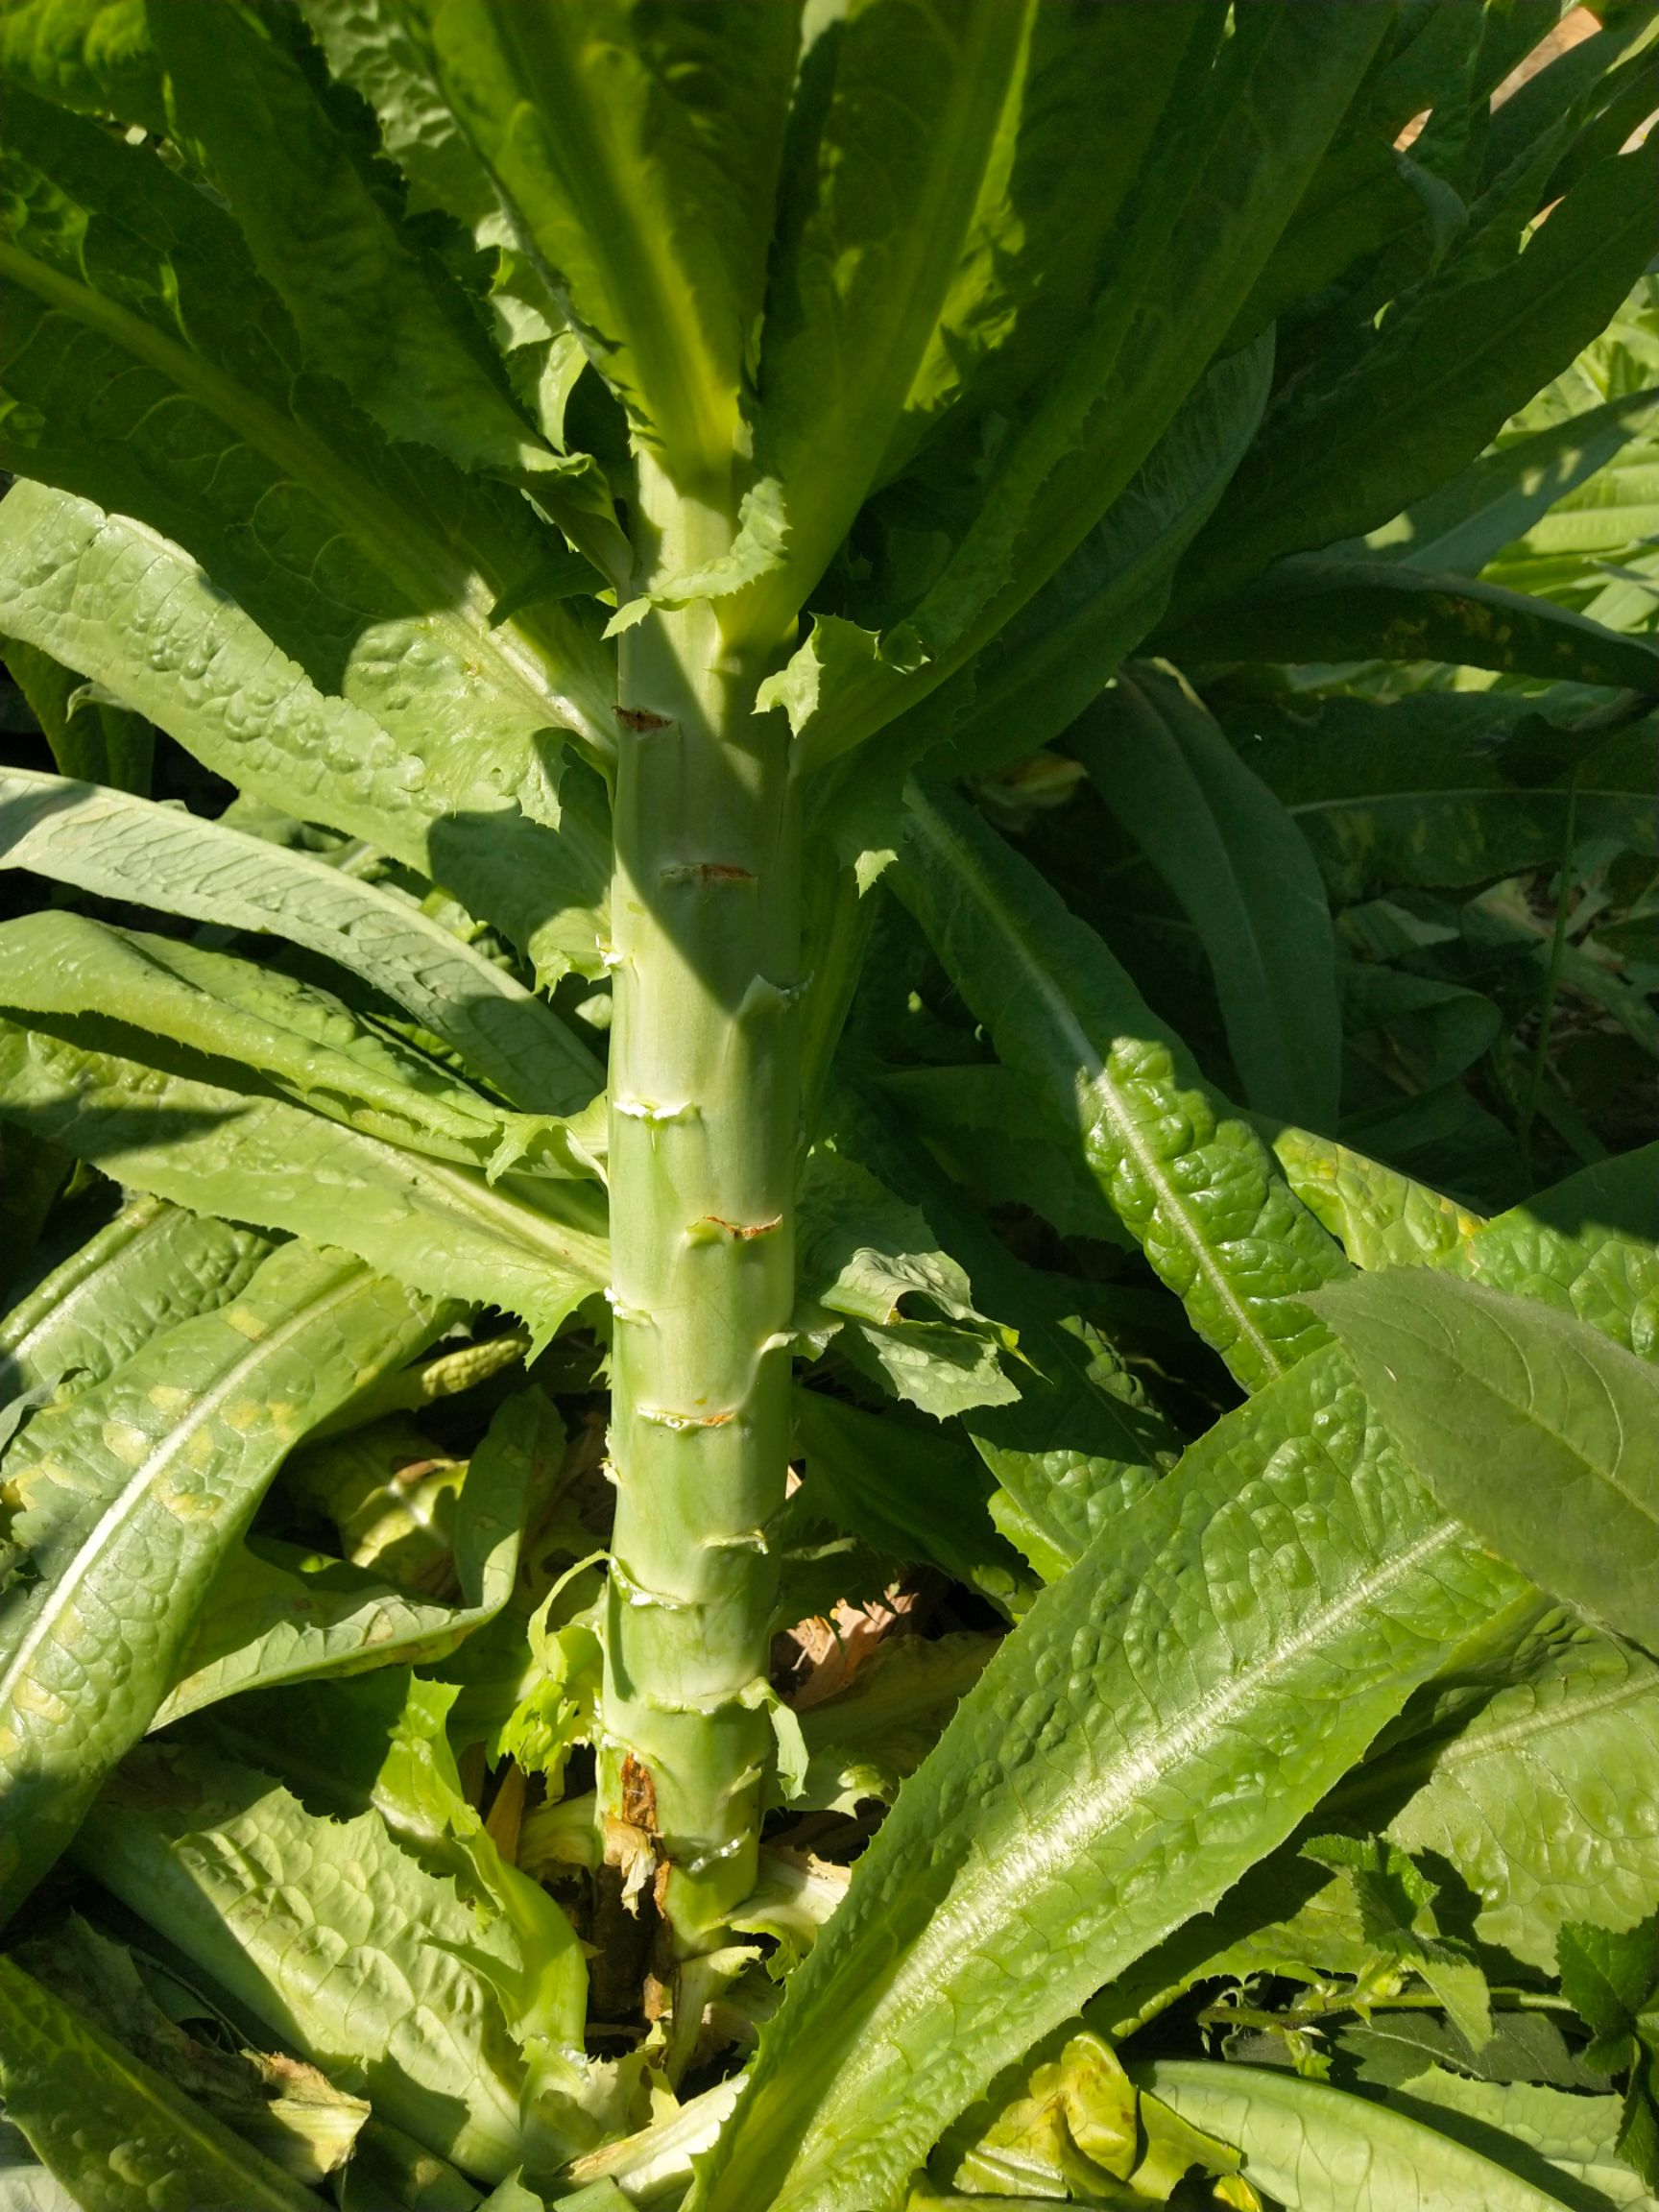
704 1108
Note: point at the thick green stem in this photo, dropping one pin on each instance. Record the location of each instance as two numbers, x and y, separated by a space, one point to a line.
704 1108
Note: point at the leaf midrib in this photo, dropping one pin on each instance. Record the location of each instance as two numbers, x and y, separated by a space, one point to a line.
463 599
1099 1082
184 2120
134 1493
927 1968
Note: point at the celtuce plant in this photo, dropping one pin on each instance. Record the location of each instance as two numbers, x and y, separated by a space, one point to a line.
858 752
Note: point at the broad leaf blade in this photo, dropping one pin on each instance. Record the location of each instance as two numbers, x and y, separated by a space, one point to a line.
126 1502
250 1157
1193 1184
1589 1247
130 849
112 2129
1316 609
151 1266
1539 1800
1400 412
104 595
1242 872
640 147
271 1618
1303 2139
349 1949
1157 1721
874 209
1528 1424
1379 1217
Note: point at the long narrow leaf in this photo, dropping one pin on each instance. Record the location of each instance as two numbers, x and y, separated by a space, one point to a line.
640 148
250 1157
151 1266
1242 872
126 1502
1526 1423
1316 609
158 375
105 595
1158 1722
111 2128
1195 1184
1303 2142
130 849
300 1040
1413 404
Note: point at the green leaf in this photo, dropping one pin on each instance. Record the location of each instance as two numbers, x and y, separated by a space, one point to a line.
128 849
1565 2143
126 1502
1379 1217
1079 2131
1302 2139
91 55
1224 180
1244 877
1316 609
1080 1441
1611 1979
113 2130
1401 410
875 205
89 733
1389 800
1396 2046
639 148
381 1744
142 343
1528 1424
369 308
1233 1641
339 1939
977 1121
1589 1247
150 1267
25 2184
276 1614
865 1739
301 1040
904 1309
532 1245
153 371
1032 679
278 2104
1090 87
1463 525
1193 1184
912 1491
389 2168
1395 1902
103 594
1536 1799
1036 676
